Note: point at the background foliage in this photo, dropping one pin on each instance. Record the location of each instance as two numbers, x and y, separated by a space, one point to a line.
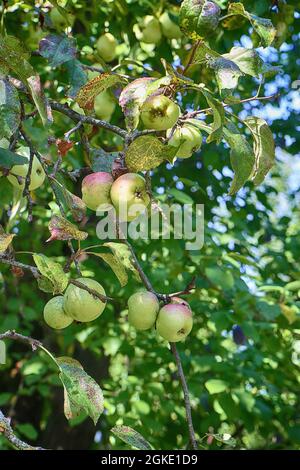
242 357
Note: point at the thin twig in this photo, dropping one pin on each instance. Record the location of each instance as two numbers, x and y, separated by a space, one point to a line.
16 264
7 431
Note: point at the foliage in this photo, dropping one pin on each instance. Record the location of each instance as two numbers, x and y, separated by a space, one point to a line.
241 359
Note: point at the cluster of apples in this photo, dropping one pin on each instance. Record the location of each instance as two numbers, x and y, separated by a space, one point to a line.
76 304
17 174
151 29
174 321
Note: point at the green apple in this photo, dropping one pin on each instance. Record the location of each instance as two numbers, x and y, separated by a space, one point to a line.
96 190
54 314
143 308
170 29
175 321
18 173
148 30
129 196
60 21
187 138
104 106
106 47
82 306
159 113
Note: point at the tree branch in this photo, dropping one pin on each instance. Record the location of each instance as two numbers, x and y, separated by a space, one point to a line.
7 431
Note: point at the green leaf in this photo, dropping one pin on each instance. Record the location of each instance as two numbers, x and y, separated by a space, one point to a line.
198 19
82 393
87 94
264 148
62 229
180 196
202 52
215 386
262 26
227 74
148 152
27 430
51 271
293 286
225 439
39 99
219 118
220 277
77 76
248 60
116 265
131 437
10 109
241 157
76 205
57 49
8 159
13 57
123 254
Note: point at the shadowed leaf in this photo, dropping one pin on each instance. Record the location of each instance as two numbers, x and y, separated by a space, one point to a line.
131 437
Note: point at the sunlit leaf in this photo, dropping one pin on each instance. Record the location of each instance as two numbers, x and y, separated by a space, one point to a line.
198 19
148 152
62 229
131 437
51 271
87 94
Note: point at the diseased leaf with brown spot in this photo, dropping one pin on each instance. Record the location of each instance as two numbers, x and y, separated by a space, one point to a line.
87 94
81 392
14 57
264 148
148 152
5 240
39 99
52 274
62 229
131 437
57 49
10 109
63 146
76 205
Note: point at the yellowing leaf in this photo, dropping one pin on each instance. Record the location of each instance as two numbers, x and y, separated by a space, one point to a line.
5 240
87 94
51 271
148 152
116 265
62 229
131 437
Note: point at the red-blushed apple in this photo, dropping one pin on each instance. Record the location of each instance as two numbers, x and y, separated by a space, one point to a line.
143 308
54 314
169 28
17 174
129 196
82 306
106 47
159 113
148 30
175 321
96 190
187 138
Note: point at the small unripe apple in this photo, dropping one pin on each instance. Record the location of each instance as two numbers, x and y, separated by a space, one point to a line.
82 306
18 173
143 308
54 314
60 21
127 191
96 190
170 29
106 47
104 106
187 138
148 30
174 321
159 113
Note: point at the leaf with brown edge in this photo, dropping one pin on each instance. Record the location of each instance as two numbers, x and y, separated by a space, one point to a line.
131 437
63 146
87 94
62 229
148 152
115 264
38 96
5 240
53 278
70 201
81 392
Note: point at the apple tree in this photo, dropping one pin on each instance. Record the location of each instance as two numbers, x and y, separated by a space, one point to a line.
145 341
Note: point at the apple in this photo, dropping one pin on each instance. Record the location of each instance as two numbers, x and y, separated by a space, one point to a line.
187 138
82 306
106 47
127 191
170 29
104 106
159 113
96 190
18 173
175 320
143 308
54 314
60 21
148 30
